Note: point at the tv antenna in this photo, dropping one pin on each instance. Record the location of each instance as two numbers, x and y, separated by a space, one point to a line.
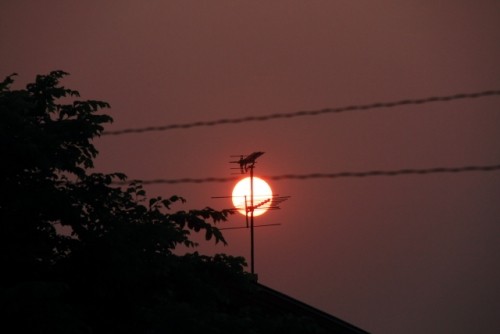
246 164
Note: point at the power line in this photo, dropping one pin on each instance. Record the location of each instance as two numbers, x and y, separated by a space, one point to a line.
423 171
262 118
388 172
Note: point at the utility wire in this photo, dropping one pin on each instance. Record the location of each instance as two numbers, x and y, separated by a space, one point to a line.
423 171
360 107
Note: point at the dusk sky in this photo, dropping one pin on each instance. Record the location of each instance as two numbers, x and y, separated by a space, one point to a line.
405 254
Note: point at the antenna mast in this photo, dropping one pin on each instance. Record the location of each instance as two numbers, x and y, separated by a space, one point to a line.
246 164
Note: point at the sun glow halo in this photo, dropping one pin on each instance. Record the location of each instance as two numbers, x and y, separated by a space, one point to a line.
262 194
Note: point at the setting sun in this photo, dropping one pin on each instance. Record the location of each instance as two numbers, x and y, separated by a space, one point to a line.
262 195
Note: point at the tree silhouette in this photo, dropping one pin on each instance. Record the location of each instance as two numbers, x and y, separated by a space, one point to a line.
82 255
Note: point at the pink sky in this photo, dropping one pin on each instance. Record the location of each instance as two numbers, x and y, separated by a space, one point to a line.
407 254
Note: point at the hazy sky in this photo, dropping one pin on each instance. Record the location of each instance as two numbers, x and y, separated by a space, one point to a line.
407 254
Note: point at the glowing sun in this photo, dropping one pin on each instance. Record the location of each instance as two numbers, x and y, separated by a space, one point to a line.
262 196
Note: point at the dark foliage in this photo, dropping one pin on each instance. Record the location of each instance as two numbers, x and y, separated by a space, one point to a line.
81 255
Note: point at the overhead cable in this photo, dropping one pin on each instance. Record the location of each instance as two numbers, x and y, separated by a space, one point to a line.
372 173
360 107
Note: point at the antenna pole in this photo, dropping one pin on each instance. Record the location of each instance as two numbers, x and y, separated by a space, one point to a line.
246 211
248 163
251 222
